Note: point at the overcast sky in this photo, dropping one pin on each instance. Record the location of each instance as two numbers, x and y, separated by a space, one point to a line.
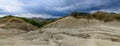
55 8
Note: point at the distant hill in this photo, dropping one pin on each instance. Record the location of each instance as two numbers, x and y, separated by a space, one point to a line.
43 21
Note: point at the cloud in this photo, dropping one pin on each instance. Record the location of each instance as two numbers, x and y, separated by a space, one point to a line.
115 10
34 15
11 6
37 15
56 7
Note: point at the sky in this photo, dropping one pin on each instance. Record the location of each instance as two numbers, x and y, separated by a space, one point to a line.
55 8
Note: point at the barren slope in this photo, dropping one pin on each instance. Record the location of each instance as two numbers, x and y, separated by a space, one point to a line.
16 23
11 26
70 31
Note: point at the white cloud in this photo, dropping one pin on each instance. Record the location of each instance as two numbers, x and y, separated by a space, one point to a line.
37 15
11 6
111 10
2 15
34 15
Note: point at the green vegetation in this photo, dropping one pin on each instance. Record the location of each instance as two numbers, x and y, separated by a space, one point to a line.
31 21
106 17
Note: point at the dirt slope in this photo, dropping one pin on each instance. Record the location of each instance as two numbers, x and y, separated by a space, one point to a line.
11 26
16 23
70 31
71 22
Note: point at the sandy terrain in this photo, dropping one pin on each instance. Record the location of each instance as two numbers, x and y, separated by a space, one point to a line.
70 32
